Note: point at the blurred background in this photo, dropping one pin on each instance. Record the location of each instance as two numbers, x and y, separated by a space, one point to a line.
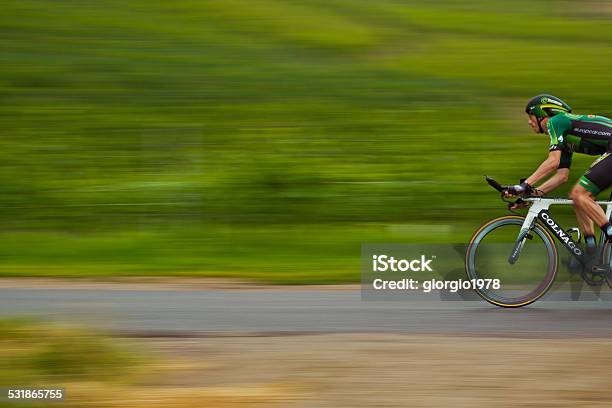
268 139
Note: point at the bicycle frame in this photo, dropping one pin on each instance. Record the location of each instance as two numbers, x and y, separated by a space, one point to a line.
539 210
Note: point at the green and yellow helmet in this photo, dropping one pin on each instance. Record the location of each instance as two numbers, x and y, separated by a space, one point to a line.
544 105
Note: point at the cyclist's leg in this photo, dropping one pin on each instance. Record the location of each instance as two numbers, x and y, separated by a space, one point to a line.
598 177
581 198
585 223
586 208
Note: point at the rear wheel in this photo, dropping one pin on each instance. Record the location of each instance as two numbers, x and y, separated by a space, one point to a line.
606 258
522 280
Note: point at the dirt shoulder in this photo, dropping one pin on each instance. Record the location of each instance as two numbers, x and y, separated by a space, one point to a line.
352 370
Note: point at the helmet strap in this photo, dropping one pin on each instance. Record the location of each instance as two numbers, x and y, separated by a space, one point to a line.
539 120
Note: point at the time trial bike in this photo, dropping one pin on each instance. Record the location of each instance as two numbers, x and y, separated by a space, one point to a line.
520 251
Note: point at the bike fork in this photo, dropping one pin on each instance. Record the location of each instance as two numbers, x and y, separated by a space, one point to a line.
518 246
525 234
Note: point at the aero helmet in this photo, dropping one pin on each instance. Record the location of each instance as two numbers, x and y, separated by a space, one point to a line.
544 105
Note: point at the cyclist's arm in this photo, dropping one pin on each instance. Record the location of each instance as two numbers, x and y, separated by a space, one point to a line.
562 174
555 181
547 167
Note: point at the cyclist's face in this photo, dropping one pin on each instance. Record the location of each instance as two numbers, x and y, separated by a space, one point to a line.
533 122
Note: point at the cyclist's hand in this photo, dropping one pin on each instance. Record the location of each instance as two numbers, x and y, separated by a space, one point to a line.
518 204
518 190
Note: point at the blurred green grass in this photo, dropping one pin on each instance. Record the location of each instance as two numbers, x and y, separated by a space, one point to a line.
283 254
268 139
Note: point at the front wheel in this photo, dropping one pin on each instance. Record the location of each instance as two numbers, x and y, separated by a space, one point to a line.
520 271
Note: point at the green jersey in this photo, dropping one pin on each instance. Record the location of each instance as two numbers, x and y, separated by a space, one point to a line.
587 134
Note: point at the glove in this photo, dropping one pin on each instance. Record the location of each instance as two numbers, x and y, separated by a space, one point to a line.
518 190
518 204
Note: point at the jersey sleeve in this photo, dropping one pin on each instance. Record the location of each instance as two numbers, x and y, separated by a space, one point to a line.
566 159
556 127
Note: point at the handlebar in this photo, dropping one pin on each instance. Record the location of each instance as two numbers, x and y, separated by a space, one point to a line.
501 189
494 184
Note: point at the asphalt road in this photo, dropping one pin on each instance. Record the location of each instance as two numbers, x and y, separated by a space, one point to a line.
286 311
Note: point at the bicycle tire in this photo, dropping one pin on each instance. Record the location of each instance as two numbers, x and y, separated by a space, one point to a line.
606 258
541 286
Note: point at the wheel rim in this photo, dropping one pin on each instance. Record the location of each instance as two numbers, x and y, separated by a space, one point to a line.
521 283
607 259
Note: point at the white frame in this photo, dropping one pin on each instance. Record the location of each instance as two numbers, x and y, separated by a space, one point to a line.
543 203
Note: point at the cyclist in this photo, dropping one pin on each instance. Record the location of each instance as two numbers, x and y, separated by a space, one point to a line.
569 133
